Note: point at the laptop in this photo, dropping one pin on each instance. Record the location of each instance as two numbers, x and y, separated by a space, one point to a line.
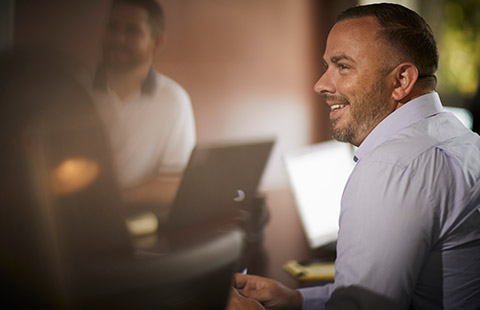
195 245
218 182
317 175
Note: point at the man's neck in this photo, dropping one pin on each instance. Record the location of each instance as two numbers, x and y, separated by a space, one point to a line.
126 82
416 92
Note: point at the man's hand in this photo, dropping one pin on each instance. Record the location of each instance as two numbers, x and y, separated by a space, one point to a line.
270 293
239 302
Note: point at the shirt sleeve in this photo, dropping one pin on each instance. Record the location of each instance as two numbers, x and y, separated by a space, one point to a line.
315 297
182 137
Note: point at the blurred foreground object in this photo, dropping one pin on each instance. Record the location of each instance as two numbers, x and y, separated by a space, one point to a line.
64 242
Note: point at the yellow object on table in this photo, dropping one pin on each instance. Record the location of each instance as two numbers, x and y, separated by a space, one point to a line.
324 271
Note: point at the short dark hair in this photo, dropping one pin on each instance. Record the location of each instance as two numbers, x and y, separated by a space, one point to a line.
156 17
407 32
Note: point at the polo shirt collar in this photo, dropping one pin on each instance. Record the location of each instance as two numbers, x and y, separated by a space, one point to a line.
408 114
100 81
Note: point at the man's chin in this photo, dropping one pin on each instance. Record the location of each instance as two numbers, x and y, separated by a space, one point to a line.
118 66
342 134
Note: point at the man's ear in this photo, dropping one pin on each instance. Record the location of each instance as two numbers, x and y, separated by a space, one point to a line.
160 42
405 75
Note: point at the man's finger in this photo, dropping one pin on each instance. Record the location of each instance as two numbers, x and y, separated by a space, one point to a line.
239 302
240 280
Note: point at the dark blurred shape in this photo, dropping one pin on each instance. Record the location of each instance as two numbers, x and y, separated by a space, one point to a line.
48 118
197 276
255 218
63 238
475 109
358 298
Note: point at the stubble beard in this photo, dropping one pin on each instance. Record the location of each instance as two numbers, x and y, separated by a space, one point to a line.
366 112
129 63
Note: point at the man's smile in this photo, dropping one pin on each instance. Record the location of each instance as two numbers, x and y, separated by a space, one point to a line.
337 106
336 109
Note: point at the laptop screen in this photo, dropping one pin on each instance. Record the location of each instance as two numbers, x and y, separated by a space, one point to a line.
317 175
218 181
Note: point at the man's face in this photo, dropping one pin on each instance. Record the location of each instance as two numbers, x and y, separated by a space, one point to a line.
129 40
355 83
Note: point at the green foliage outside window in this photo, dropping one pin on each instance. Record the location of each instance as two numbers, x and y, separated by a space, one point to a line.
459 69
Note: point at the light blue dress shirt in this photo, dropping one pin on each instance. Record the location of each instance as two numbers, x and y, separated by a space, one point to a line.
410 220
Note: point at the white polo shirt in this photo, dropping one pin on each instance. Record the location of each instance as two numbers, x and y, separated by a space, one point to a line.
151 132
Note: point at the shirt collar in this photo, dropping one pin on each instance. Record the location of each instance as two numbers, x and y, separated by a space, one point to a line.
408 114
100 81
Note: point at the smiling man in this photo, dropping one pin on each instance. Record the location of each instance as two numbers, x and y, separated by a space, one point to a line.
352 84
409 233
147 115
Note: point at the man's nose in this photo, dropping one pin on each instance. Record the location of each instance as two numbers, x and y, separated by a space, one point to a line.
324 84
116 35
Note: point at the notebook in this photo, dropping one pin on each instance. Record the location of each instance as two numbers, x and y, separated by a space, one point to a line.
218 182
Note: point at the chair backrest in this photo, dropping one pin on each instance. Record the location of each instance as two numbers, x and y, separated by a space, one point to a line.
198 276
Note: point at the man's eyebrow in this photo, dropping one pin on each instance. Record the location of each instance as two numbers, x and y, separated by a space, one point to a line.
324 63
336 59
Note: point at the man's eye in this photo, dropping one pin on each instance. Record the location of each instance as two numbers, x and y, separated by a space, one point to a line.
131 31
343 67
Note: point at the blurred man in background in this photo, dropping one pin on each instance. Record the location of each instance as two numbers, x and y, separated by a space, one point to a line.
148 116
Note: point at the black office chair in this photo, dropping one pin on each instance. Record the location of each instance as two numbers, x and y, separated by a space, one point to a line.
63 238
